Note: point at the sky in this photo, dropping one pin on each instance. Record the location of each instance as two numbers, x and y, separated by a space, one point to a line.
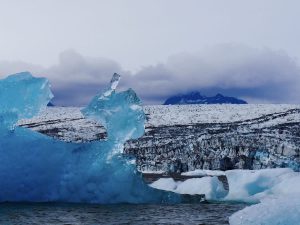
249 49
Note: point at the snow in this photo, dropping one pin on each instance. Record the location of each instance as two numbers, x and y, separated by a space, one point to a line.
153 172
69 120
204 173
168 115
210 186
76 128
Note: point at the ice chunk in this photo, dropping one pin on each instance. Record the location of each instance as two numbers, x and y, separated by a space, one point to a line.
167 184
113 85
281 211
120 113
36 168
276 190
114 81
210 186
22 96
254 185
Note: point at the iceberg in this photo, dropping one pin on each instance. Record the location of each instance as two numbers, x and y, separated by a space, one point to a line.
19 98
211 187
279 211
37 168
274 194
252 186
275 190
120 113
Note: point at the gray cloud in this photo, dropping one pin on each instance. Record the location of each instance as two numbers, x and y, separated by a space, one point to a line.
258 75
77 78
74 80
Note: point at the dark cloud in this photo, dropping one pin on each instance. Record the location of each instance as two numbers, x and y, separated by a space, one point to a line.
75 79
258 75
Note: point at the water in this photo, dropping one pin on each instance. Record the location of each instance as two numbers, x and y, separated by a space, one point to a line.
88 214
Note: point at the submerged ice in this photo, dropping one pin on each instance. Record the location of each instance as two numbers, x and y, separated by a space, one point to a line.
34 167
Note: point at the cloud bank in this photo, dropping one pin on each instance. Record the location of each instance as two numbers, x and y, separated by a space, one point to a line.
257 75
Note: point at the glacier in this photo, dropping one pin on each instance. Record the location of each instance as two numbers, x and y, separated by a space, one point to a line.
37 168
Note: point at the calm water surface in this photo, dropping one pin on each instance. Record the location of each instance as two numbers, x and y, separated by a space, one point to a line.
208 213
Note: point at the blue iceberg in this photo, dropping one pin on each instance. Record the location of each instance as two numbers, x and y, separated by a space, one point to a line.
37 168
22 96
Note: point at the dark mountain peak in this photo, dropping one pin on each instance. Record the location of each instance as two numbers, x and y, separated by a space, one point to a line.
195 97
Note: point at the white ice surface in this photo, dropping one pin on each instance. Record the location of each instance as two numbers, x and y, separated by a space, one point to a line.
210 186
74 127
254 185
167 115
204 173
162 115
277 192
167 184
279 211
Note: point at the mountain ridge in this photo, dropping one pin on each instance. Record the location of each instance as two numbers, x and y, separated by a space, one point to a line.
195 97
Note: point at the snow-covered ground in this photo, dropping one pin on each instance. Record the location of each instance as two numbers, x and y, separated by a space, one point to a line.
66 123
168 115
204 173
72 126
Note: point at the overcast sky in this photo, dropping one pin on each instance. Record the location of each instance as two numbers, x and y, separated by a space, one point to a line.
249 49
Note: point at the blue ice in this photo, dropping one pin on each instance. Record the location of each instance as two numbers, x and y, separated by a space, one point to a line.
37 168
